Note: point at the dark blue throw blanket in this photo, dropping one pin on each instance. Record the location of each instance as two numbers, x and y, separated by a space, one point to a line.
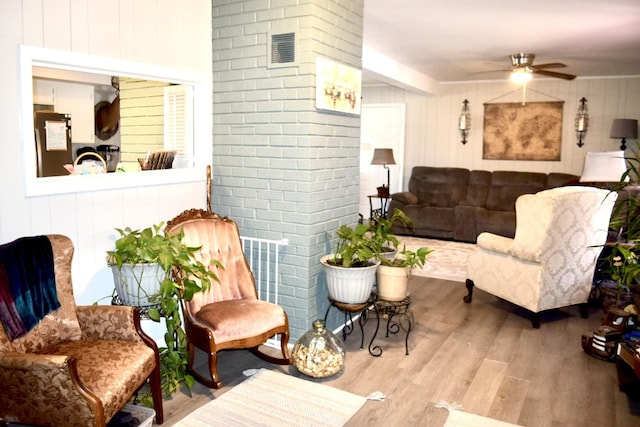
27 284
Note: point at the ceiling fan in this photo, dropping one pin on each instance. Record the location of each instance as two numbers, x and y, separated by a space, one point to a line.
522 64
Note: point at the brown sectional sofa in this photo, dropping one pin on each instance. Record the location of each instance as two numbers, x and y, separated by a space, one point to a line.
459 204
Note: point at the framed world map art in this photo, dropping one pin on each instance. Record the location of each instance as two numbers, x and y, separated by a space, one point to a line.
516 131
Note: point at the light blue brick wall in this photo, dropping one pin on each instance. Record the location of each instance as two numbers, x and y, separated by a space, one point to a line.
281 168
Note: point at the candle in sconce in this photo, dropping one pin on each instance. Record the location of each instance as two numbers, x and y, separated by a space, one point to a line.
463 122
581 124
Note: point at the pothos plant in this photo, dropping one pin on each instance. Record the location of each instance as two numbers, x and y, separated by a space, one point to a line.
381 231
624 260
185 276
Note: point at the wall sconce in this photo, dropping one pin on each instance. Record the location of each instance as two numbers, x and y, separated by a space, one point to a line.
623 129
582 121
464 122
384 157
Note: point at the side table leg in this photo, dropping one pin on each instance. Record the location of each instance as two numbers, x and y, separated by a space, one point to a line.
361 321
326 314
409 315
375 351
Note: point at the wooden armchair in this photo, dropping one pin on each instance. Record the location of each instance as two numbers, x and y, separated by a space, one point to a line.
551 261
79 365
229 315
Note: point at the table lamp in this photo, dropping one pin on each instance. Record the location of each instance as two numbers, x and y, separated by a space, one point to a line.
606 166
384 157
623 129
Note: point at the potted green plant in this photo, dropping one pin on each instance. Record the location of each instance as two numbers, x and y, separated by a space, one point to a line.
351 268
623 261
158 253
394 271
380 231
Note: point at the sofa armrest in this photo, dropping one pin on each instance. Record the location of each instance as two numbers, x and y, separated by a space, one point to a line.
27 394
108 322
405 197
495 243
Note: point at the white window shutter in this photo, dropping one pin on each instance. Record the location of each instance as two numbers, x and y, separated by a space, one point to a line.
178 112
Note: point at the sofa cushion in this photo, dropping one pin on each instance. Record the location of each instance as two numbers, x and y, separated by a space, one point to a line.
507 186
556 179
441 187
478 188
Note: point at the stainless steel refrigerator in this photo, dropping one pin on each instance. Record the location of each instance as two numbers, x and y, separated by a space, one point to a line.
53 142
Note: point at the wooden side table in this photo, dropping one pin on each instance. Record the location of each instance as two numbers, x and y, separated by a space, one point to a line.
398 317
378 212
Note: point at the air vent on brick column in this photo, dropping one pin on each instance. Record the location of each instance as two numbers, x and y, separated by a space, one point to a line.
283 48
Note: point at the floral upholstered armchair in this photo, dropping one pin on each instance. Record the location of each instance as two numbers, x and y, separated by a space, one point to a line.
550 263
62 364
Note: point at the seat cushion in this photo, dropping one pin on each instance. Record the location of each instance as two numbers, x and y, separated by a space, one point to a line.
239 319
113 370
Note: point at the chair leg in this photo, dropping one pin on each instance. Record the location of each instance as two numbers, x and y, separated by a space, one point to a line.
535 320
213 369
584 312
469 284
284 349
155 384
212 359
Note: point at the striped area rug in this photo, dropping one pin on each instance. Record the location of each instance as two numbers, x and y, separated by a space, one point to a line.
273 399
459 418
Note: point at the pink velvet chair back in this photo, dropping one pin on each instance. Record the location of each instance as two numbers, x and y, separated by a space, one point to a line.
220 239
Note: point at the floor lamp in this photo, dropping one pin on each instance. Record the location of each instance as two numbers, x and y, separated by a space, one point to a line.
384 157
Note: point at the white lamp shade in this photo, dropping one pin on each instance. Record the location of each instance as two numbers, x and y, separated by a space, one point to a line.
607 166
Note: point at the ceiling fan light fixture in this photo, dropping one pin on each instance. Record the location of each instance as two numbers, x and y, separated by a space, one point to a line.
521 60
521 75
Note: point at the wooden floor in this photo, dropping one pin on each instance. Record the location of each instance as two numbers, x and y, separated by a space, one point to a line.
484 356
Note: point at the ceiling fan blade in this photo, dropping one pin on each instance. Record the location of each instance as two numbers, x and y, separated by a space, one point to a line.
550 65
491 71
555 74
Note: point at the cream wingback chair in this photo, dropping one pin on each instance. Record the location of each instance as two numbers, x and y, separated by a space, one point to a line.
550 263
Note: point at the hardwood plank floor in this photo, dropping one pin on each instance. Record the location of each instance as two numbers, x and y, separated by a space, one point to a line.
484 356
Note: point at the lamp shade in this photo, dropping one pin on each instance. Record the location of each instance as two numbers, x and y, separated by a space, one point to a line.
383 156
624 128
607 166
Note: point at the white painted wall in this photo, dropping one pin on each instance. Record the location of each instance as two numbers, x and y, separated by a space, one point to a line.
432 138
383 126
159 32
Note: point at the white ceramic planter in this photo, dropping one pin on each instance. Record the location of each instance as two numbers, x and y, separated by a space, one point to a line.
349 285
135 285
393 283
